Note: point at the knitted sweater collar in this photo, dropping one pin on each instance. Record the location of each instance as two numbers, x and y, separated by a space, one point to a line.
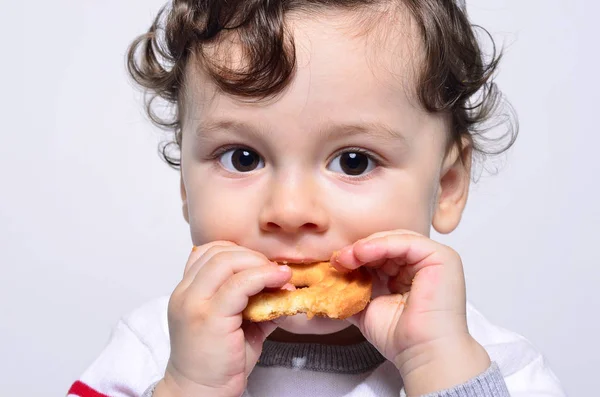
351 359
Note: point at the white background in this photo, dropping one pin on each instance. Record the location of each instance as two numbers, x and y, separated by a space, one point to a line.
90 219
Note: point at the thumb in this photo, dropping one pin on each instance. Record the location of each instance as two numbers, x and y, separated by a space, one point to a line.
255 334
385 310
379 316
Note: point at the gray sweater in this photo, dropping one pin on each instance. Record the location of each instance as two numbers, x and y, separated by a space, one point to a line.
287 369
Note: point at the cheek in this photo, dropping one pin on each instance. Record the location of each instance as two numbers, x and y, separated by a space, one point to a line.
390 205
219 216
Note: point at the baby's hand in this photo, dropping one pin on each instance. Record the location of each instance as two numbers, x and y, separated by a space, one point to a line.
212 350
422 326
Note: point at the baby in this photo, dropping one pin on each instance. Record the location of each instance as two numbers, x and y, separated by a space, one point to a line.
306 131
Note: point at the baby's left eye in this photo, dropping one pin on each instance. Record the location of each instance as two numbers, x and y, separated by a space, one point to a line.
353 163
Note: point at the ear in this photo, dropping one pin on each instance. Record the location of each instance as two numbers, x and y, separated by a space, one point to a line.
453 189
184 206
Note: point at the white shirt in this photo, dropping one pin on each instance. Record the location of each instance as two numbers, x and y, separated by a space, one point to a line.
137 354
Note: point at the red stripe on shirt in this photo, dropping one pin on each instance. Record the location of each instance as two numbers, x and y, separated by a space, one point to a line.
82 390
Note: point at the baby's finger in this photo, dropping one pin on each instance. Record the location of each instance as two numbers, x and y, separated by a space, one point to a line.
220 267
255 334
232 298
390 268
401 247
346 260
206 254
214 250
198 252
402 281
379 316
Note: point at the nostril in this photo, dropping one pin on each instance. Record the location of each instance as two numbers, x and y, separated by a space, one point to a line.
307 227
273 226
310 226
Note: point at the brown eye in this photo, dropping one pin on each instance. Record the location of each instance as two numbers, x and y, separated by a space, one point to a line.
241 160
353 163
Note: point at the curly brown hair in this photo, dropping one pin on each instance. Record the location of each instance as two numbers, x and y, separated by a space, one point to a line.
455 76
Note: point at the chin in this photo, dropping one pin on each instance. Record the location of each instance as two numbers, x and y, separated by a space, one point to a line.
300 324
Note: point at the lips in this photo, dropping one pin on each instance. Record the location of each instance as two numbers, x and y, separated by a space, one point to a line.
302 261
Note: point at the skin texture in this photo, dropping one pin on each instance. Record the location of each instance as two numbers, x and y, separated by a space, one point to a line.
299 206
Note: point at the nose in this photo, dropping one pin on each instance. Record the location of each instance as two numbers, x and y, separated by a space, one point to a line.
294 205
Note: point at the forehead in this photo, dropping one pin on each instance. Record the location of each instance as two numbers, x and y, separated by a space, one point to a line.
361 63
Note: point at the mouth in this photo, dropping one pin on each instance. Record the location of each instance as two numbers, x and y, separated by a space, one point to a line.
297 261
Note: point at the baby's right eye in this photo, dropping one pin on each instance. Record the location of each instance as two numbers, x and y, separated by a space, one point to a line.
241 160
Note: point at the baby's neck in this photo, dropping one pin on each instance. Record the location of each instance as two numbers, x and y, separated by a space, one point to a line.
348 336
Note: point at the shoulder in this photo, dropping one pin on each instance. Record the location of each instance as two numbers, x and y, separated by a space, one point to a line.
149 324
524 368
510 350
149 318
135 356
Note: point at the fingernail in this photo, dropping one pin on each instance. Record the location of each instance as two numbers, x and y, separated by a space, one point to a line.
284 268
288 287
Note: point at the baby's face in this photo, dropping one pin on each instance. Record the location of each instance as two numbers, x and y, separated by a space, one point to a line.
343 153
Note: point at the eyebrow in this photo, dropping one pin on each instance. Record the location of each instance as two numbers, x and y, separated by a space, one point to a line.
374 129
329 131
207 128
